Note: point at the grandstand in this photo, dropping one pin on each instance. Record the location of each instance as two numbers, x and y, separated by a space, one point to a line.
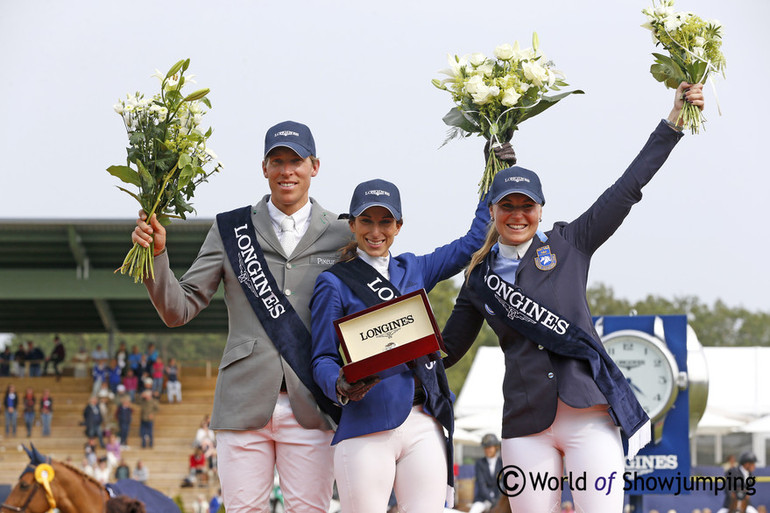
175 428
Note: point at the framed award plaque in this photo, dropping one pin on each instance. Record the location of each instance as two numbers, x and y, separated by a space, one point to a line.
382 339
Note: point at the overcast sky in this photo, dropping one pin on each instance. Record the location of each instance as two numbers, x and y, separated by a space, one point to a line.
358 73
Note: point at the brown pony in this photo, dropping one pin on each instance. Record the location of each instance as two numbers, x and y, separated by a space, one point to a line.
54 486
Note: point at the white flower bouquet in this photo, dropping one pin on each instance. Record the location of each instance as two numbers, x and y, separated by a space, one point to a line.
694 51
493 96
167 155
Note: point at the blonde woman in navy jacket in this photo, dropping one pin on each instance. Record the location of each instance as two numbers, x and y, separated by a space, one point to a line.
565 401
390 434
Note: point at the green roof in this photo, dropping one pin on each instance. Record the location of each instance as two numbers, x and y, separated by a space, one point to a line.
58 276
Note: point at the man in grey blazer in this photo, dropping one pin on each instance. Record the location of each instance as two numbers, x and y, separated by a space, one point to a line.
264 416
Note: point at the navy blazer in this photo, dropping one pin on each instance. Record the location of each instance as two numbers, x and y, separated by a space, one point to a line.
534 377
486 488
387 405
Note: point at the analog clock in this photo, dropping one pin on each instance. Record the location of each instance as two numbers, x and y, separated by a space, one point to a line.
649 367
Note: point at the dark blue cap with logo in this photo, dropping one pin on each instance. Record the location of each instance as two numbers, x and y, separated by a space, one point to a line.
515 180
292 135
376 193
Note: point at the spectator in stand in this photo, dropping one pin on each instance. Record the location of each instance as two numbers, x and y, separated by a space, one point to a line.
148 408
5 361
99 354
103 470
200 505
152 354
87 467
19 361
122 471
58 353
80 363
198 471
11 407
157 373
114 375
141 473
113 450
173 385
134 359
205 438
144 367
46 411
89 453
92 417
35 358
123 414
100 374
131 382
121 356
107 407
216 501
28 401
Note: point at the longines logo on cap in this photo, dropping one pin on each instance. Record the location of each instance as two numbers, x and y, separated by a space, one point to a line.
377 192
517 179
286 133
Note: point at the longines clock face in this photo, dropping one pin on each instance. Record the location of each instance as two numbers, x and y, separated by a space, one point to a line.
648 367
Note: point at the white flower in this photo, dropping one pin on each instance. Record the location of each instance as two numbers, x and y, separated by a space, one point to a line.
535 73
504 52
479 91
210 153
159 75
673 22
486 69
456 64
118 108
510 97
477 59
699 41
494 90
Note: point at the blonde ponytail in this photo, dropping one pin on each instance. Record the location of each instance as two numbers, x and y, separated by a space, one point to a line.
482 253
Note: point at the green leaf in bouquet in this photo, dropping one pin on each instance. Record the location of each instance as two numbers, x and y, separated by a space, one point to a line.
133 195
185 176
457 118
125 174
667 70
145 176
546 102
697 71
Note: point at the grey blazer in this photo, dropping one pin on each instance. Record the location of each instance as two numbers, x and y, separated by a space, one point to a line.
251 369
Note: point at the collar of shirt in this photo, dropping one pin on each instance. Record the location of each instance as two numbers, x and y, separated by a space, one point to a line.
380 264
514 252
301 219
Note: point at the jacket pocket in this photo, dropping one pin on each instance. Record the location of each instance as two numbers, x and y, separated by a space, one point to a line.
237 352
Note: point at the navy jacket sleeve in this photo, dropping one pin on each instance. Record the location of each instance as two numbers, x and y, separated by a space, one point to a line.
461 329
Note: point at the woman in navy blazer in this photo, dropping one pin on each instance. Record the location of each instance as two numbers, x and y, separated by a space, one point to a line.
390 434
565 401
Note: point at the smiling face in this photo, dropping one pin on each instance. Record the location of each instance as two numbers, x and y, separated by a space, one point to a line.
375 230
288 176
517 217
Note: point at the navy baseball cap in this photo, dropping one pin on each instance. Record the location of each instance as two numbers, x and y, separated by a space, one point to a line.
292 135
515 179
376 193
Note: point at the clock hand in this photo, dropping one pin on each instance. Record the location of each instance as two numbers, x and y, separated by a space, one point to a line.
634 387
